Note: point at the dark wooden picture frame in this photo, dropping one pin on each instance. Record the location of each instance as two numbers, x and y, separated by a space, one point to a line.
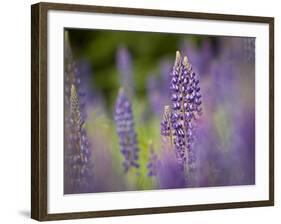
39 105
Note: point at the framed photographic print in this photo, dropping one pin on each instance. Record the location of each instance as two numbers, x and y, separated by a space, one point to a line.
138 111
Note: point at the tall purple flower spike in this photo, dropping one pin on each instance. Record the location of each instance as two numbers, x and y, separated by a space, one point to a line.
78 152
179 121
71 74
78 169
166 128
125 70
126 131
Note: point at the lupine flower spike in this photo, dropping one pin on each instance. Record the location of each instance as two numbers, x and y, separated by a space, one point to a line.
166 128
125 69
72 76
78 148
185 110
126 131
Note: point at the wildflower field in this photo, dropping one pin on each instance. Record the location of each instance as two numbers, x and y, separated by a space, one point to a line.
148 111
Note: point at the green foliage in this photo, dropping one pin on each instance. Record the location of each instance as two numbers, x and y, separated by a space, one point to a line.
99 48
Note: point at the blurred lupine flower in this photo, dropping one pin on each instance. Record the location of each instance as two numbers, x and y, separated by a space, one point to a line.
221 72
170 175
72 76
155 96
200 57
157 86
126 131
124 66
78 152
186 109
165 70
153 163
69 72
92 98
166 127
229 50
207 54
194 54
249 48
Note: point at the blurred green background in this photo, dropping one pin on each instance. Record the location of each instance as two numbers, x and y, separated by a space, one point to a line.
146 49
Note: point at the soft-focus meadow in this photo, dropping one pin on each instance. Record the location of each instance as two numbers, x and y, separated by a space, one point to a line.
139 115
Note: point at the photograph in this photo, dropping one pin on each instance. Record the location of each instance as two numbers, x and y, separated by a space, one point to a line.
154 111
140 111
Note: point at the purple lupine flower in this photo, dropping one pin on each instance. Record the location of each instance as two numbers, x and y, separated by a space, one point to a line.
249 48
166 128
73 76
186 109
165 70
153 163
78 149
170 175
70 76
194 54
78 175
200 57
90 98
157 86
155 96
126 131
207 54
230 50
125 70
